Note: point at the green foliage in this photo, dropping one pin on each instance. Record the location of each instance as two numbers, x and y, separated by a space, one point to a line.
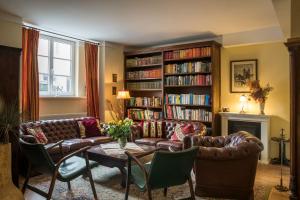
120 129
9 121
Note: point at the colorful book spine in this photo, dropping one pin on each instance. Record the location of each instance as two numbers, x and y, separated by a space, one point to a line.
189 67
145 101
182 113
144 85
135 62
140 114
201 80
188 99
188 53
154 73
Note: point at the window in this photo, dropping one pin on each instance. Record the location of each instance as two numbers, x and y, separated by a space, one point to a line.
56 61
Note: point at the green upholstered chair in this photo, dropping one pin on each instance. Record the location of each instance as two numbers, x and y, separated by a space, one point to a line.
66 169
165 170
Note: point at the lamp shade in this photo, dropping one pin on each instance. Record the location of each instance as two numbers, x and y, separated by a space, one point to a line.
123 94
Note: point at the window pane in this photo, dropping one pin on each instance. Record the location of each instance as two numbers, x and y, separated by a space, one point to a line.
43 47
61 85
62 50
43 63
44 84
62 67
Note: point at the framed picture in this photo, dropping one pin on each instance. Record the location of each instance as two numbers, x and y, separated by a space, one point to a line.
114 78
241 72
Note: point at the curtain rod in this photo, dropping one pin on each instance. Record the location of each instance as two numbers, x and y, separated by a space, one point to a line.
71 37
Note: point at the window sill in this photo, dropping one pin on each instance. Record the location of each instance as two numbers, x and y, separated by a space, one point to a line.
62 97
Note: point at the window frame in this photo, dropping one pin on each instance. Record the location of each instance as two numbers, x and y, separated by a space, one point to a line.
51 40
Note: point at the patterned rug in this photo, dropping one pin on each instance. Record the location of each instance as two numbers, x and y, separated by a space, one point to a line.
107 183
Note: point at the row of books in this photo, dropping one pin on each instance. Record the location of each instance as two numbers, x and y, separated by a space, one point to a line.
134 62
189 99
140 114
201 80
189 67
188 53
145 101
144 85
182 113
153 73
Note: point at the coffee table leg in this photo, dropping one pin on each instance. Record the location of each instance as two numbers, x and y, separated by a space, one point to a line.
124 176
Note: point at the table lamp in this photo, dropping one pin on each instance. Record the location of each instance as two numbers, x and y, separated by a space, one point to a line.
123 94
243 101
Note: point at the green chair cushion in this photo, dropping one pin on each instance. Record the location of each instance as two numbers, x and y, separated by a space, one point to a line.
73 167
138 176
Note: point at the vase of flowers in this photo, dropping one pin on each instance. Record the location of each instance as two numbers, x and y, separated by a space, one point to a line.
260 94
120 131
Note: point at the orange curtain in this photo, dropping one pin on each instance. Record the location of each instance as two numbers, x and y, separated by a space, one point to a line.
92 93
30 76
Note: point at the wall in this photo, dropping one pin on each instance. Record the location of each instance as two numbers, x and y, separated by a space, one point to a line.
113 63
10 32
66 107
273 68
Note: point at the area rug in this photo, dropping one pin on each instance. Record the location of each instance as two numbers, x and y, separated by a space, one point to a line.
107 183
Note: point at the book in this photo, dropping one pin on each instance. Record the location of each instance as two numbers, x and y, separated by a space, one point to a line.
135 62
188 67
188 53
145 101
140 114
144 85
201 80
153 73
183 113
189 99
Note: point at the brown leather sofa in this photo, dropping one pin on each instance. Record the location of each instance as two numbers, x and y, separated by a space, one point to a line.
67 130
226 166
164 141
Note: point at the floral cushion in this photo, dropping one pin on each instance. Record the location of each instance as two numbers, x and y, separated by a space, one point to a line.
182 130
38 134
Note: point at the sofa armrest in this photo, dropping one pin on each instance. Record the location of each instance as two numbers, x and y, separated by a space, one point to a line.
240 151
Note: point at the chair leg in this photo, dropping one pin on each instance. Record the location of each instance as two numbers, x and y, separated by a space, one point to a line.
52 184
27 179
69 186
92 183
191 188
165 191
127 187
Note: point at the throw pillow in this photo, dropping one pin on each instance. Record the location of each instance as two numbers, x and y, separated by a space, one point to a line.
187 128
146 129
181 130
89 128
38 134
153 129
160 128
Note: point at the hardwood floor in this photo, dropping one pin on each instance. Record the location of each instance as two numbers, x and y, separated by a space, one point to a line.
268 175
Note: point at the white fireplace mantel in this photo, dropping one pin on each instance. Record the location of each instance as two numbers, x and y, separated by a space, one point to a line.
264 120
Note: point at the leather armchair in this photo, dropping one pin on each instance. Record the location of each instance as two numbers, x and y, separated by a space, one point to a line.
225 167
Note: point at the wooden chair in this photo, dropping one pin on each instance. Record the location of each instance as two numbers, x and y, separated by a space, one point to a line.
66 169
165 170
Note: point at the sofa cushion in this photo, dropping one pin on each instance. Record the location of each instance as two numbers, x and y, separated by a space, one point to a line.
177 145
149 141
76 143
89 127
38 134
98 140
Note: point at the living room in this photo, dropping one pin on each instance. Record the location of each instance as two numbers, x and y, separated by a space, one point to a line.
88 85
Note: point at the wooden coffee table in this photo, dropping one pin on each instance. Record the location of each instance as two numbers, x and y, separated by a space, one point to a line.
96 153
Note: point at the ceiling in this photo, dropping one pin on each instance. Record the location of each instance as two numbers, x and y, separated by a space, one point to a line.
144 22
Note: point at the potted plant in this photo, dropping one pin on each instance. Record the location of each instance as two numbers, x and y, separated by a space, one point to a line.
9 121
120 130
260 94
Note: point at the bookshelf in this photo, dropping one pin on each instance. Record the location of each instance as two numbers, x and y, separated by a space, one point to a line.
189 82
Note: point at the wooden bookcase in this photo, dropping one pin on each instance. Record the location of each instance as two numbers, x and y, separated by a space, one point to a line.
205 82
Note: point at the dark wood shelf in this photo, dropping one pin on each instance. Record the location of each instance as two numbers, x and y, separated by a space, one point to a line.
144 79
209 122
144 66
188 73
187 59
144 107
185 86
190 105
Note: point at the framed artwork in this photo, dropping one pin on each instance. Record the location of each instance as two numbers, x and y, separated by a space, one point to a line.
114 78
241 72
114 90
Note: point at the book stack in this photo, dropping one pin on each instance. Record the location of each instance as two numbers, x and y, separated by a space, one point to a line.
188 80
144 85
145 101
182 113
188 53
153 73
189 67
134 62
140 114
189 99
